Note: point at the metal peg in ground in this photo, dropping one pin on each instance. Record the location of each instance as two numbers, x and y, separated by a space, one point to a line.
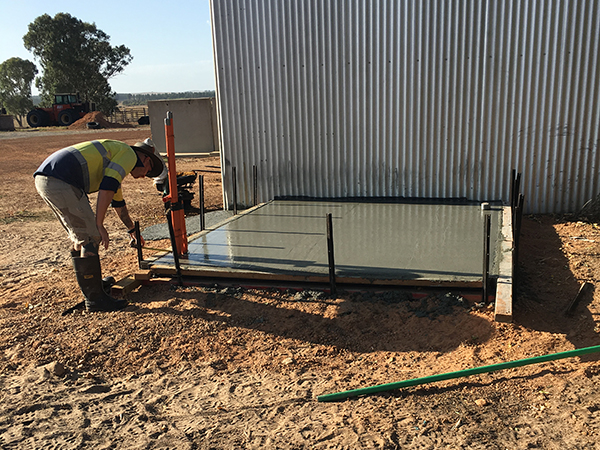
330 256
138 243
201 200
585 287
254 186
511 194
486 255
174 247
234 182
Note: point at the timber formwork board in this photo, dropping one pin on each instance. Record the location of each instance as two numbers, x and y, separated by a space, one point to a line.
377 243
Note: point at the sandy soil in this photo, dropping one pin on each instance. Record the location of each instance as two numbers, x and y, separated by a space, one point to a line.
227 367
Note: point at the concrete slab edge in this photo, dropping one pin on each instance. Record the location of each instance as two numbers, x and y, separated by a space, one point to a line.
241 274
504 287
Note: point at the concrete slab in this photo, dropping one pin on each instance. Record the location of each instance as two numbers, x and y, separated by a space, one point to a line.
504 283
377 243
192 225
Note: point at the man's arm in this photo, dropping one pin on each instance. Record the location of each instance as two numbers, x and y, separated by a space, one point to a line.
123 214
104 199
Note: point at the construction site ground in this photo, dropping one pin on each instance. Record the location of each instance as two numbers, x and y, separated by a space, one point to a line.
230 367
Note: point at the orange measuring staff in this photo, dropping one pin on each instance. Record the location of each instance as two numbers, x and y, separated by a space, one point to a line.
177 212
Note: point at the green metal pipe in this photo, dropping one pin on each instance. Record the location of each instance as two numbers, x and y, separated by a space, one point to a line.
461 373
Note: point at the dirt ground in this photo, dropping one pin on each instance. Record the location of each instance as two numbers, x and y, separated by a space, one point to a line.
227 367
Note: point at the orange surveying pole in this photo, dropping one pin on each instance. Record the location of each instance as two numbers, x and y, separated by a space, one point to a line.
175 206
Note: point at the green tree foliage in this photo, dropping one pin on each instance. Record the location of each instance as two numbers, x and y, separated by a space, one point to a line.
142 99
16 76
75 57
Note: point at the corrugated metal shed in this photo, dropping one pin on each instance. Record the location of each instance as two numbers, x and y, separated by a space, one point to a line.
424 98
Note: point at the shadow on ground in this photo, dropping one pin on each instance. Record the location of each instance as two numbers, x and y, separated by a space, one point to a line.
546 286
356 322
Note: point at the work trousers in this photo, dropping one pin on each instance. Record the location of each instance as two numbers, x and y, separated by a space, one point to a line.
71 207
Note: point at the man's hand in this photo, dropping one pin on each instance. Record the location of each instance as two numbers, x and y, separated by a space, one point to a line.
132 241
104 236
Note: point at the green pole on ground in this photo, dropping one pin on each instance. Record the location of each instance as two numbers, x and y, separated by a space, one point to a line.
459 374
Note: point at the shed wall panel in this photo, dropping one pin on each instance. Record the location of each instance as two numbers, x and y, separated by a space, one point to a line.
194 123
425 98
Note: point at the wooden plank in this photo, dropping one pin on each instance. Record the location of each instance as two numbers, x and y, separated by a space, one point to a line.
154 281
125 286
504 288
143 275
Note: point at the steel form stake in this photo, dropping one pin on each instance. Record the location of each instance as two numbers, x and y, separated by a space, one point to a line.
486 255
511 195
517 190
515 199
176 207
254 185
234 181
519 216
516 208
517 237
517 220
582 291
138 243
201 199
330 255
174 246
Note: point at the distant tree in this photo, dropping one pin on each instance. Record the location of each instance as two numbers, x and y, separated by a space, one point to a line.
142 99
75 57
16 76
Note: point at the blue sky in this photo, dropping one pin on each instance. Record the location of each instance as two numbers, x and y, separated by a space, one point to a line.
170 41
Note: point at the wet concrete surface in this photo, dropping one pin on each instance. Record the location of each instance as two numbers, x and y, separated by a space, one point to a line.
192 225
373 241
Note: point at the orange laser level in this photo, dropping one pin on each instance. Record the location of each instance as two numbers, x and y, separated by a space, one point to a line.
174 204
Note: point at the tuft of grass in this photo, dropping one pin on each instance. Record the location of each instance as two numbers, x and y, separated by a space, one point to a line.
27 216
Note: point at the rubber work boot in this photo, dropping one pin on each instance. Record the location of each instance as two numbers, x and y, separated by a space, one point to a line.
107 282
89 278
